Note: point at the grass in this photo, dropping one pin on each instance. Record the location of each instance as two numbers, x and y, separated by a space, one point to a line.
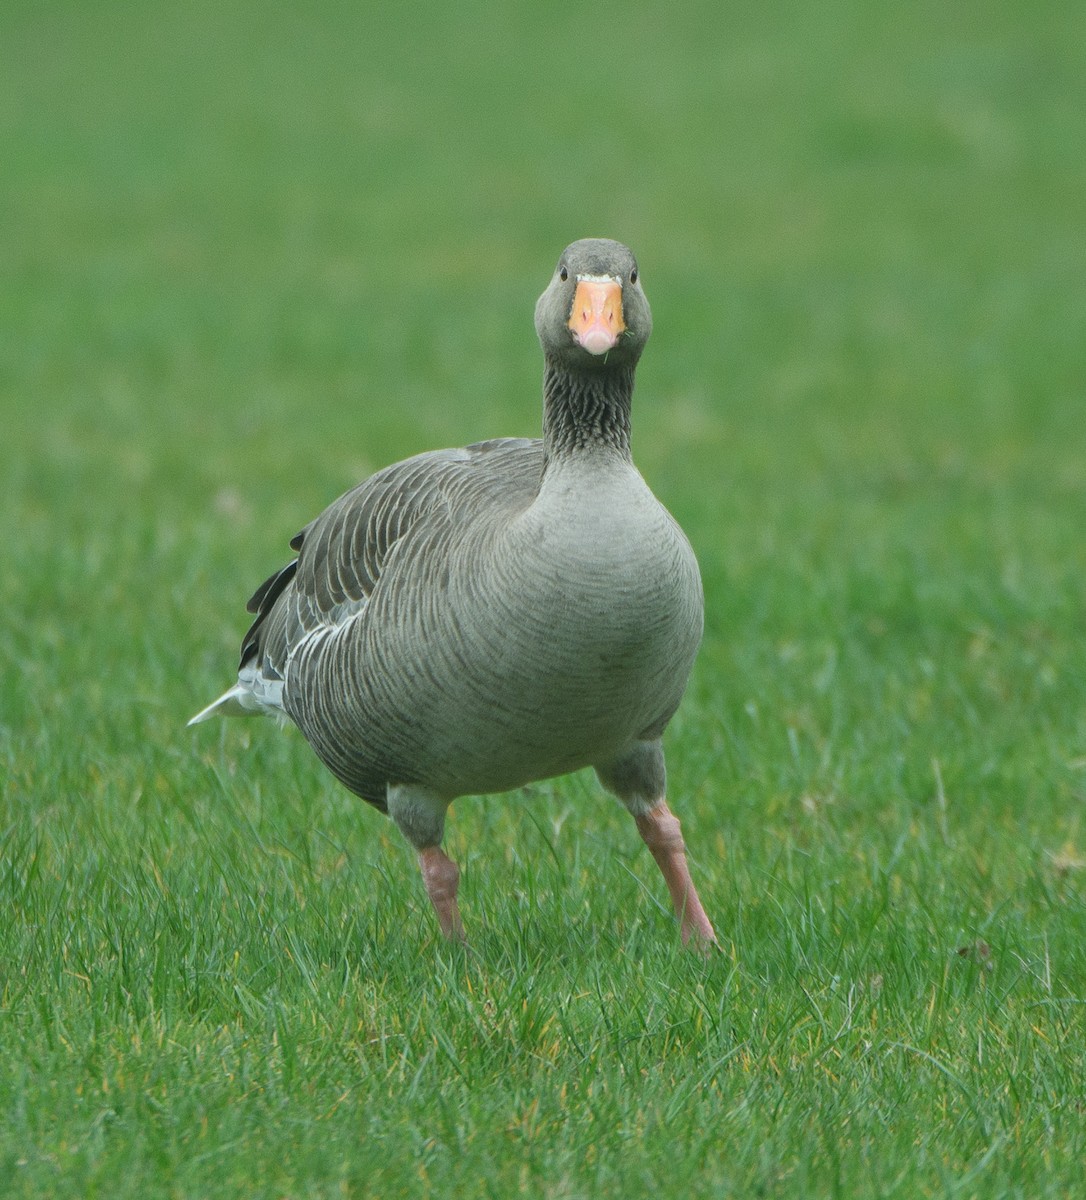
251 253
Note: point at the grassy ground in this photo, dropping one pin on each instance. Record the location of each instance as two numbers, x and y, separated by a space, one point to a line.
251 252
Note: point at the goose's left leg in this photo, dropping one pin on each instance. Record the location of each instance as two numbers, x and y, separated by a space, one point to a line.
420 816
639 780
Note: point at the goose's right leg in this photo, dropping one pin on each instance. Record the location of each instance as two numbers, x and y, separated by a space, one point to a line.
420 816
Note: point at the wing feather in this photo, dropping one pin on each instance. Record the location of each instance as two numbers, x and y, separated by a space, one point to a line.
343 553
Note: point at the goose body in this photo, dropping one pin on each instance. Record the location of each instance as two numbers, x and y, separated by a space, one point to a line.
468 621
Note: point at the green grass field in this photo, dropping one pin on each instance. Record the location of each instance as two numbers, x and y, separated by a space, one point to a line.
248 254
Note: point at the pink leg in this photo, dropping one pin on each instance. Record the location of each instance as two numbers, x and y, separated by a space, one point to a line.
661 832
442 877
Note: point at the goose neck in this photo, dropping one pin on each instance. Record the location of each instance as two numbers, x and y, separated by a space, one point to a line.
586 411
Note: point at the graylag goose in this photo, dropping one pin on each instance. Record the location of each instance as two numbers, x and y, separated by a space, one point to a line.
468 621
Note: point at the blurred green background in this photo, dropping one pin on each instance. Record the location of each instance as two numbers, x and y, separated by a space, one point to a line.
251 252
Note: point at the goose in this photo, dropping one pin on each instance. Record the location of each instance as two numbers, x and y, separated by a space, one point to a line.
468 621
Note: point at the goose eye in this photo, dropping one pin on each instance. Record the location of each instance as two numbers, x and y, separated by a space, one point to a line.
633 275
563 274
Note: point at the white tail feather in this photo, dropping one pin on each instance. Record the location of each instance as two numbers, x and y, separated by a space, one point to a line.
247 698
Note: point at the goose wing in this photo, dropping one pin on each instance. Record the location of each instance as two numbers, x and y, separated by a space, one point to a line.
343 553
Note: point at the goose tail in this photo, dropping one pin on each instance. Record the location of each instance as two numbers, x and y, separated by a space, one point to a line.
243 700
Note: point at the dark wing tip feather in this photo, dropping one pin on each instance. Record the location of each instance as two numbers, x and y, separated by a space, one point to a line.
269 591
261 603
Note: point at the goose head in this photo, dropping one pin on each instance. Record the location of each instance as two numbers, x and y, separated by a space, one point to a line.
594 315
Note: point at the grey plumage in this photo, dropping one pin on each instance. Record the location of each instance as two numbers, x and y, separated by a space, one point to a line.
467 621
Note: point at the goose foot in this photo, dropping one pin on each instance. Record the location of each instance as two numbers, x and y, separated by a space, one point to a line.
419 814
661 832
442 878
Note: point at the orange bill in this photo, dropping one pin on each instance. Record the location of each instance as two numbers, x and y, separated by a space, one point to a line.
596 317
